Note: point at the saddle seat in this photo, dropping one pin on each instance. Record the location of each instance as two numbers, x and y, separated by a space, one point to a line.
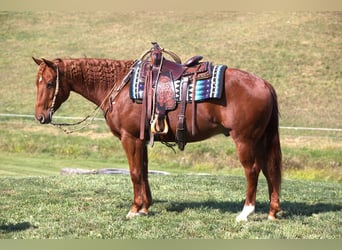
192 66
178 69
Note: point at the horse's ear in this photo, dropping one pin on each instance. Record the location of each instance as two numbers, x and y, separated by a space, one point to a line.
49 63
37 61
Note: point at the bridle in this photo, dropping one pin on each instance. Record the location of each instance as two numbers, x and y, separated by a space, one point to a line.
52 108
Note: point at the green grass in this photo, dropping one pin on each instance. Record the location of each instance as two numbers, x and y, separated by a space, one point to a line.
28 148
185 207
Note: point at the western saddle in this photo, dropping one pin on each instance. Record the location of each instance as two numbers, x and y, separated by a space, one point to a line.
159 91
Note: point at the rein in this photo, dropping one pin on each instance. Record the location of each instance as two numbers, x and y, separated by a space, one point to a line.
93 114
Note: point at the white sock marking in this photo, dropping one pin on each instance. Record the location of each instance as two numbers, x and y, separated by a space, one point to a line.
246 211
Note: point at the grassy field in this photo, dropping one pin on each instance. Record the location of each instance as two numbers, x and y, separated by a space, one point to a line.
29 149
185 207
297 52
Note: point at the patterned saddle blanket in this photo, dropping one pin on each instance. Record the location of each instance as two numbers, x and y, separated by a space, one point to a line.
207 87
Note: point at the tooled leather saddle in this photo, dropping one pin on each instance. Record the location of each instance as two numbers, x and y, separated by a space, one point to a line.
160 85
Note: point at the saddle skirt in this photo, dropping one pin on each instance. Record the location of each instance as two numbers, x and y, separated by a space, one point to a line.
208 85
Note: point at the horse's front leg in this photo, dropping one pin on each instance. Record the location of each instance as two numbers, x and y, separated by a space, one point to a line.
136 151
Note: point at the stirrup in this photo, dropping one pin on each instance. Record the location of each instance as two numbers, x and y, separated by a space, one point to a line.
155 129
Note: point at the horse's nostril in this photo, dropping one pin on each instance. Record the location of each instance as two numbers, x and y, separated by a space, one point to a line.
41 119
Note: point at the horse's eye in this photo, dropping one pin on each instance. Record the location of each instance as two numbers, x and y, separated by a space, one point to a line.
50 85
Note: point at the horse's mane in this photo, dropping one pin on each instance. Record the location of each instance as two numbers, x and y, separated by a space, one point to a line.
99 73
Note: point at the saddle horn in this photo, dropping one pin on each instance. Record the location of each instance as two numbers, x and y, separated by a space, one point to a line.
174 56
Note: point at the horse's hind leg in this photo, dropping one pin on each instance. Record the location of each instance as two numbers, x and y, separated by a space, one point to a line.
268 158
273 189
252 157
273 177
266 163
252 174
246 155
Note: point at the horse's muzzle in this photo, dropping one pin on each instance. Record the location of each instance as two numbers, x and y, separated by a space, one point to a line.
43 120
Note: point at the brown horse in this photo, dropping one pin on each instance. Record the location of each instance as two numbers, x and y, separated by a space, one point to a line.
247 111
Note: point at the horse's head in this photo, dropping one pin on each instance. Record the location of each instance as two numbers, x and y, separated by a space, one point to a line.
50 90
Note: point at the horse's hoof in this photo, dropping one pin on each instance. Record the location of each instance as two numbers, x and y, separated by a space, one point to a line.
143 212
133 214
271 217
241 218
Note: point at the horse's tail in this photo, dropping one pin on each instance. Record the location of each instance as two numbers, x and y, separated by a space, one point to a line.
272 141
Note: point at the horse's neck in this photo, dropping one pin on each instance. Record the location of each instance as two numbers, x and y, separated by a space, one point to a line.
94 78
